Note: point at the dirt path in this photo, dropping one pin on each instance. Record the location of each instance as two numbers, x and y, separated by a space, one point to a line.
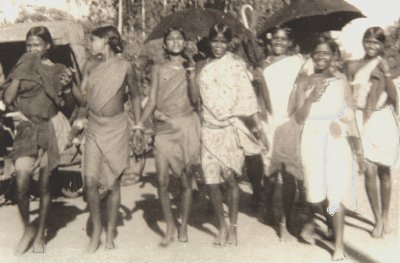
141 227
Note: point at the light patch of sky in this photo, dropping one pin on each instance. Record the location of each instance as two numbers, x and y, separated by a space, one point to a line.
9 9
381 13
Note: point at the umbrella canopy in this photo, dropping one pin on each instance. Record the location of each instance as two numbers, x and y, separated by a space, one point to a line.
313 15
196 22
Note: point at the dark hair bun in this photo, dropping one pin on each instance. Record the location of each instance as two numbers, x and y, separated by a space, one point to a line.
113 36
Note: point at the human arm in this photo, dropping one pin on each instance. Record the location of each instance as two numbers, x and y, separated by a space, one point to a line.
133 86
389 84
303 102
152 98
193 82
11 92
2 77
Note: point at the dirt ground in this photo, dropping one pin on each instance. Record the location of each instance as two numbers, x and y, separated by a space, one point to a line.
141 227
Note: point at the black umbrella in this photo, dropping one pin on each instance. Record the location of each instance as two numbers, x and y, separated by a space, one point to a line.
313 15
196 22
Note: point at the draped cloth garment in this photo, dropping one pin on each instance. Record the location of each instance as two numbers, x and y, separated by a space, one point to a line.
178 138
107 138
283 132
325 152
226 93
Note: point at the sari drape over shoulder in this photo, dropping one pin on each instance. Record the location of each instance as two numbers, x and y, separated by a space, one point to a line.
107 138
380 146
178 138
38 98
227 93
283 131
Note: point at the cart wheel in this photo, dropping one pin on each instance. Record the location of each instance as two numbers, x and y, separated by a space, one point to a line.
72 185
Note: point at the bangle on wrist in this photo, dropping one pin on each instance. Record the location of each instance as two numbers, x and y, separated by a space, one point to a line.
138 126
388 75
190 68
66 91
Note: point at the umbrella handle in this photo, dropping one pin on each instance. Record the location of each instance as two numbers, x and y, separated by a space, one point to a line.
244 16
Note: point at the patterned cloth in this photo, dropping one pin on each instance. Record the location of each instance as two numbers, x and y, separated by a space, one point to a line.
227 94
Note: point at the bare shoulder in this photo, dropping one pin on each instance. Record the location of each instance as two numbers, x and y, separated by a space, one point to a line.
200 65
351 66
90 65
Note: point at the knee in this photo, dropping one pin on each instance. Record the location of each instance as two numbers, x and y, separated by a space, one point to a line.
90 183
163 182
232 182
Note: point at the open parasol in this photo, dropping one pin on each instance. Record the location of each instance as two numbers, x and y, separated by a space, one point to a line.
196 23
313 15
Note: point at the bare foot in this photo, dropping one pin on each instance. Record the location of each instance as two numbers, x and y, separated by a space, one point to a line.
182 234
222 236
27 237
329 235
93 245
168 237
284 235
386 226
38 246
307 233
377 232
232 236
338 255
109 245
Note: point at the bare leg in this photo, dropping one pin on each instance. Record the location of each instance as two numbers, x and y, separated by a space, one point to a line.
307 233
386 187
338 229
255 173
372 192
329 223
163 182
268 191
93 199
233 204
45 199
113 203
185 206
23 181
216 200
288 196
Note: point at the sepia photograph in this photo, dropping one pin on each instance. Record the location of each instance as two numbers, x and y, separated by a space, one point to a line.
209 131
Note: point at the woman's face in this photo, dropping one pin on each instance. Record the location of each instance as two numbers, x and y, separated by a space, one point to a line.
98 45
219 45
280 42
323 57
174 42
372 46
35 44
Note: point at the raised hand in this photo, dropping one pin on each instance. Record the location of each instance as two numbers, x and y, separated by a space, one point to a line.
317 91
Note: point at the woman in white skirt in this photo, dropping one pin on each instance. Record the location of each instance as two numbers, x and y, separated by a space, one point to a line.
375 97
325 150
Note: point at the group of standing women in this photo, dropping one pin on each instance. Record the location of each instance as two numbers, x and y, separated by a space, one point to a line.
307 124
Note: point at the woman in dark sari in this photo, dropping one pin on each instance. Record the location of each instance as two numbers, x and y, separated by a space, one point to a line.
34 89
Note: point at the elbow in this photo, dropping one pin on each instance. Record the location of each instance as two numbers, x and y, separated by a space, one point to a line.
8 100
299 119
